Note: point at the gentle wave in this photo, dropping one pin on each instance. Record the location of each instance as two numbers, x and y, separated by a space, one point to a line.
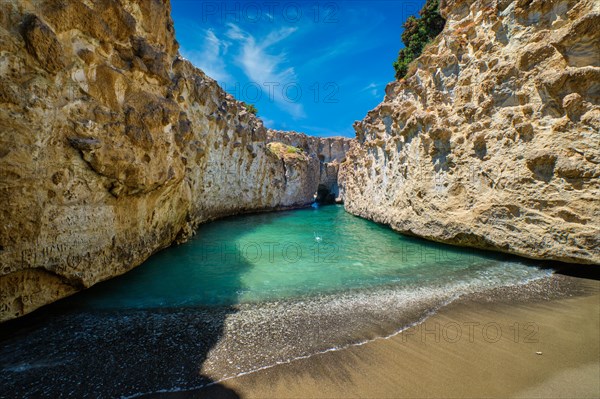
331 306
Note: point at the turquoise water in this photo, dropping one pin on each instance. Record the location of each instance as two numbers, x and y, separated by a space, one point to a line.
301 253
246 293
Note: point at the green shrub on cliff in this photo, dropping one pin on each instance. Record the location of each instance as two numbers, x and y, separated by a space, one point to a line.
417 33
251 108
285 151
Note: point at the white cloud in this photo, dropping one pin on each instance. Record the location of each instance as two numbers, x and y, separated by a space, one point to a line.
269 123
372 88
211 59
264 66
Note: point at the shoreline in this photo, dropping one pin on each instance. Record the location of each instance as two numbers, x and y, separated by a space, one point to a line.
473 347
331 346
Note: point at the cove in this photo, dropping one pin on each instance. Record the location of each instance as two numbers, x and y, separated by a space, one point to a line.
245 294
296 254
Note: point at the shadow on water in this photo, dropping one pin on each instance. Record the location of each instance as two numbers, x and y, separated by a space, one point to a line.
74 349
149 332
434 251
589 272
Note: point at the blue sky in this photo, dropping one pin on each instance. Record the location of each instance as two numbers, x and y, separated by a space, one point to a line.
313 67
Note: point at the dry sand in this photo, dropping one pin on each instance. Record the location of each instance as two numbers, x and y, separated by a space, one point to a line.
488 360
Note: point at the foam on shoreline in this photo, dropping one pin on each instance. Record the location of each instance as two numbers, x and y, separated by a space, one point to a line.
143 352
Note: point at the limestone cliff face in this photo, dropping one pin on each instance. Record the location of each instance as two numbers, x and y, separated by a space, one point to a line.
330 151
301 173
112 147
494 140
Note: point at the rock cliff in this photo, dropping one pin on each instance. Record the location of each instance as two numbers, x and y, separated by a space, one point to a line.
493 138
112 147
330 151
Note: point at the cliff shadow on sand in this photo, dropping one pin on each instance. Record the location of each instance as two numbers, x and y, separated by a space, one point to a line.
97 343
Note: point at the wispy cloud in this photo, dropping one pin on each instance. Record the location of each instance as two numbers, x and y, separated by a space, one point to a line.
211 59
372 88
331 52
347 40
269 123
263 65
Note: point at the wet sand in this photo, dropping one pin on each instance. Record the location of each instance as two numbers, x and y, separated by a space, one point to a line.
469 349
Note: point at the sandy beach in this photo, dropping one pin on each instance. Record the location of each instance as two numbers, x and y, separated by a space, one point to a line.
473 348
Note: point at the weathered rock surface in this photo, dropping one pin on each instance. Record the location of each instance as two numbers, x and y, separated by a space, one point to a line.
301 173
331 152
112 147
494 140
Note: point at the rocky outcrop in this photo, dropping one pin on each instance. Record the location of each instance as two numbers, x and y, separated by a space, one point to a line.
493 139
330 151
301 173
112 147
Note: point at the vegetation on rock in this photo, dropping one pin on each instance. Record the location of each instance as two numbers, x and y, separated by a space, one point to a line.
417 33
495 92
285 151
251 108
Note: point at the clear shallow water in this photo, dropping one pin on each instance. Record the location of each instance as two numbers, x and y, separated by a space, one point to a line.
246 293
287 255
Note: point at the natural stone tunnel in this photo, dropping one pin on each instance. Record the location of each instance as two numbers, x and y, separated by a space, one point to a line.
331 152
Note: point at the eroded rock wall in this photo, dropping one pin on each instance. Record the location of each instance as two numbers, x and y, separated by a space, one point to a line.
493 139
330 151
112 147
301 173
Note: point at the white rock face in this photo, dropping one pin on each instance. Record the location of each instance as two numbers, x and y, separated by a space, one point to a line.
494 140
330 151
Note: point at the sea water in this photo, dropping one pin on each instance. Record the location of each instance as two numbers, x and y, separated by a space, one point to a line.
300 253
245 293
